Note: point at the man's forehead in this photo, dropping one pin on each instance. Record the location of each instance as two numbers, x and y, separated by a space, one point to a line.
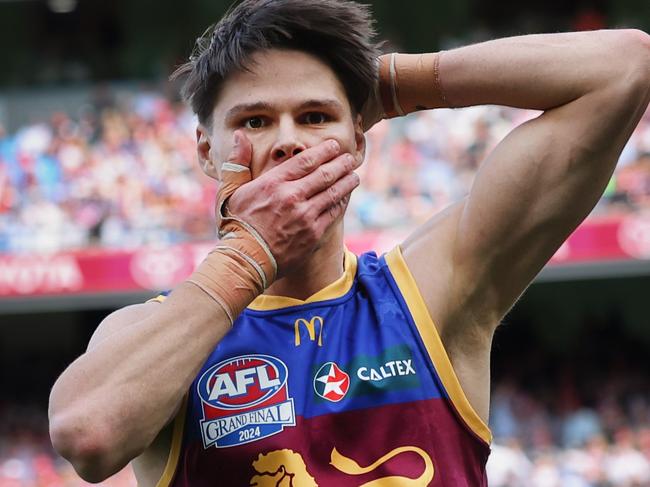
281 77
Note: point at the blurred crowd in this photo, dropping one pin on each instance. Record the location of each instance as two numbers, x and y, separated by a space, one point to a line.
575 419
124 173
607 445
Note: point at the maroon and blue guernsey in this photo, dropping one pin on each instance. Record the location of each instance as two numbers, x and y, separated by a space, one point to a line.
349 388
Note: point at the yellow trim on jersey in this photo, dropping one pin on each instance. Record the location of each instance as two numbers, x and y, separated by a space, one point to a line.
175 448
432 342
158 299
337 289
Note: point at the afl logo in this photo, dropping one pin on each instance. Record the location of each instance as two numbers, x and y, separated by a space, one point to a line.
242 382
244 399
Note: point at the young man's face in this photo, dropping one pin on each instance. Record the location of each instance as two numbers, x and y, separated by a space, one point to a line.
287 102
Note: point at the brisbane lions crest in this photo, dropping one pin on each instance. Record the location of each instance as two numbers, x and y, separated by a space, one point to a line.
244 399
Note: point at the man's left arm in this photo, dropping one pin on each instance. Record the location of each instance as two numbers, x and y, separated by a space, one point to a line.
475 259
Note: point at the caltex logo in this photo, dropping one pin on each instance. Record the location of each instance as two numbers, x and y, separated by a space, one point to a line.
331 382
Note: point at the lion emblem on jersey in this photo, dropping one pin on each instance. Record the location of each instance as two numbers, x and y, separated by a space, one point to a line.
286 468
281 468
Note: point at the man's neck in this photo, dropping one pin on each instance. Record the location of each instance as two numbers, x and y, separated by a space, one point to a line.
321 268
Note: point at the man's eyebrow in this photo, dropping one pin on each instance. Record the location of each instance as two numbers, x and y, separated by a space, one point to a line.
321 103
248 107
315 103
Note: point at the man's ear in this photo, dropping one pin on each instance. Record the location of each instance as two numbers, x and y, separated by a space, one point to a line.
359 138
203 150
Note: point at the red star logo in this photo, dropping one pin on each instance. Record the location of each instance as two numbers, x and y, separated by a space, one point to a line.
331 382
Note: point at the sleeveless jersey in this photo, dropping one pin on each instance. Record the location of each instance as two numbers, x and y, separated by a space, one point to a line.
349 388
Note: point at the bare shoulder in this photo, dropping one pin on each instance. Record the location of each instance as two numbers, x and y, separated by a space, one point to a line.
120 319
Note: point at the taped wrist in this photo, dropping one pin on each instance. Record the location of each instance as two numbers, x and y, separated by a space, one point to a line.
238 269
410 82
230 277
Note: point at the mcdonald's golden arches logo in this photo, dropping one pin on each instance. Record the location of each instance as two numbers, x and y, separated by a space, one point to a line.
311 329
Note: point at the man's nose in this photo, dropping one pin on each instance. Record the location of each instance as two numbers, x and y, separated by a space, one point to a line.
288 142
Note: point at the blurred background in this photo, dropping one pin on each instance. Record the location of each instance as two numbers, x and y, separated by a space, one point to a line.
102 203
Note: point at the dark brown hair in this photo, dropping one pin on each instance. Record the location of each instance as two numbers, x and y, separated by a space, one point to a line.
338 32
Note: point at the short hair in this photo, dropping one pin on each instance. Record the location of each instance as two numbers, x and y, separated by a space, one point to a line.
338 32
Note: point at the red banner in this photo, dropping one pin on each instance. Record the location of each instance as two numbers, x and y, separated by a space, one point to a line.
622 238
101 270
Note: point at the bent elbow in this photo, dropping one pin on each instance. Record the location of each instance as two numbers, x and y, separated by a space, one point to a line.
636 56
638 38
628 80
85 448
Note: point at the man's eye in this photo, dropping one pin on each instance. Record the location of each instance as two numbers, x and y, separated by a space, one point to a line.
254 123
316 118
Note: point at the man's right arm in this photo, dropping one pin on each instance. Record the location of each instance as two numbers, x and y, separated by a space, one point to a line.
111 403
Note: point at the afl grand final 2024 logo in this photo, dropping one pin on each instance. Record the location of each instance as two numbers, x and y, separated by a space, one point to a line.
244 399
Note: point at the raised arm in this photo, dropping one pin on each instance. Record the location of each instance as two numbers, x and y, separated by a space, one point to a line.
475 259
113 401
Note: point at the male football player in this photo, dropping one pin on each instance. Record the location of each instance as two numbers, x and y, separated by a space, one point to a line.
285 359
